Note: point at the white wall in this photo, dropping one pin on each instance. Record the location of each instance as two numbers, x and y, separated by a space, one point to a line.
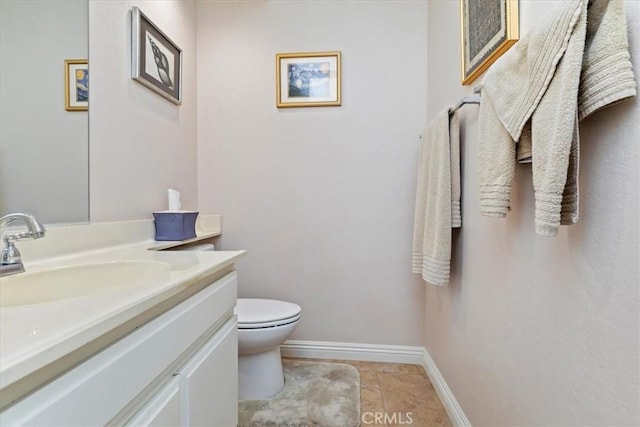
535 330
322 198
141 144
43 148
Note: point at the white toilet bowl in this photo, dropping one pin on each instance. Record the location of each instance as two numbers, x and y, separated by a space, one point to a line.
263 325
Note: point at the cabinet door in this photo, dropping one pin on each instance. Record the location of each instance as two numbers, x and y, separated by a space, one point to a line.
162 410
209 381
98 389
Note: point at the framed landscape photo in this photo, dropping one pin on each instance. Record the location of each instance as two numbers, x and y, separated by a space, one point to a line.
488 29
76 85
308 79
156 61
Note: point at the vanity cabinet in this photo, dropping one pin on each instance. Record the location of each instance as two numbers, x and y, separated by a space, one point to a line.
209 382
202 391
180 368
163 409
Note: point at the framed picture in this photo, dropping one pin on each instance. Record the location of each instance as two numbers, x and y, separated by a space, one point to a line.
489 29
308 79
76 85
156 61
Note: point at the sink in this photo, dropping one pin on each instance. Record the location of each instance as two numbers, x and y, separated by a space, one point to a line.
79 280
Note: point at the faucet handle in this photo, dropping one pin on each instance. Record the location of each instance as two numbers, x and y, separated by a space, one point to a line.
35 229
10 259
10 253
20 236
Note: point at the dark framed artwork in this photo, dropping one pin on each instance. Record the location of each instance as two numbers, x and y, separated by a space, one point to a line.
488 29
76 85
156 61
309 79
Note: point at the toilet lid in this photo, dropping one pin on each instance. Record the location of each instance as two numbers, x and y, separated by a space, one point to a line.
255 311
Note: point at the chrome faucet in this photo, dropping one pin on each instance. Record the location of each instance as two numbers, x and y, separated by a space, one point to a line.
10 259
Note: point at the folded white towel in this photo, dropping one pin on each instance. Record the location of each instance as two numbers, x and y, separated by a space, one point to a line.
496 165
607 76
437 207
456 188
563 70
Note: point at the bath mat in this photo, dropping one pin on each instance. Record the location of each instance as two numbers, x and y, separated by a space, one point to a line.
314 394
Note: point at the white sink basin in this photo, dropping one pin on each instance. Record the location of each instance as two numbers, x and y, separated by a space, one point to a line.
79 280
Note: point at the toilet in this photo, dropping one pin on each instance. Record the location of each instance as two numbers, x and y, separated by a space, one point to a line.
263 324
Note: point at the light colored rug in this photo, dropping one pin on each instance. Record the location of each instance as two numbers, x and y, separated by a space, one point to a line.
314 394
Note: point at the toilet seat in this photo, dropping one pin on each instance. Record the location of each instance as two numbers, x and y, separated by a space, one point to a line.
256 313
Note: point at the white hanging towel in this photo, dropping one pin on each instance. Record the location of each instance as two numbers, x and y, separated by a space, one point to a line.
574 62
437 207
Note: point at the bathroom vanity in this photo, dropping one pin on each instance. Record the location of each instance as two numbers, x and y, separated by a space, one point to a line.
157 348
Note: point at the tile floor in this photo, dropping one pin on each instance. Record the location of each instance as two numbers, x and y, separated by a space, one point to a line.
401 392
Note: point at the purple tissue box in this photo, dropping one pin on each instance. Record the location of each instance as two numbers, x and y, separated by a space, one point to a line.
175 225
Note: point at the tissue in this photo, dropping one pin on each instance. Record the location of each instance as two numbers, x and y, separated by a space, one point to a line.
174 199
175 224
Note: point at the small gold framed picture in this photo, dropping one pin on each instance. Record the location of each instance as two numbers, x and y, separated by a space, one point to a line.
308 79
76 85
488 29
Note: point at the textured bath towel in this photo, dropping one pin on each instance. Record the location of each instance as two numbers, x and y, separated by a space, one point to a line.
456 188
437 207
573 63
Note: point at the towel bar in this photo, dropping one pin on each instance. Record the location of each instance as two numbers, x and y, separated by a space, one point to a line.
473 99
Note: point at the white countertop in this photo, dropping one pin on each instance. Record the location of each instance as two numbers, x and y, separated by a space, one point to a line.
202 235
33 336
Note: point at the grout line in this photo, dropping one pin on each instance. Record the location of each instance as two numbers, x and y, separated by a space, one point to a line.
384 403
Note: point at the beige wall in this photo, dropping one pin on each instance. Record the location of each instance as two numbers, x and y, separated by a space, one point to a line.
535 330
140 143
322 198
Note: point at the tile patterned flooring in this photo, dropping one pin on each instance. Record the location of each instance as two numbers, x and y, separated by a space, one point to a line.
394 394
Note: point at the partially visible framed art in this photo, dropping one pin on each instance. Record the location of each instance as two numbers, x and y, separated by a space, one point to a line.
156 61
308 79
488 29
76 85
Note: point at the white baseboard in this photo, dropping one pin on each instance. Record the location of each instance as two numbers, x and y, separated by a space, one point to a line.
451 405
353 351
381 353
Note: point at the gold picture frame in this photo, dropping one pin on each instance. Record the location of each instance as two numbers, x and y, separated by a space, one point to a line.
308 79
488 30
76 85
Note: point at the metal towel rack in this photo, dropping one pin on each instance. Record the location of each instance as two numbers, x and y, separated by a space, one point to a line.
473 99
